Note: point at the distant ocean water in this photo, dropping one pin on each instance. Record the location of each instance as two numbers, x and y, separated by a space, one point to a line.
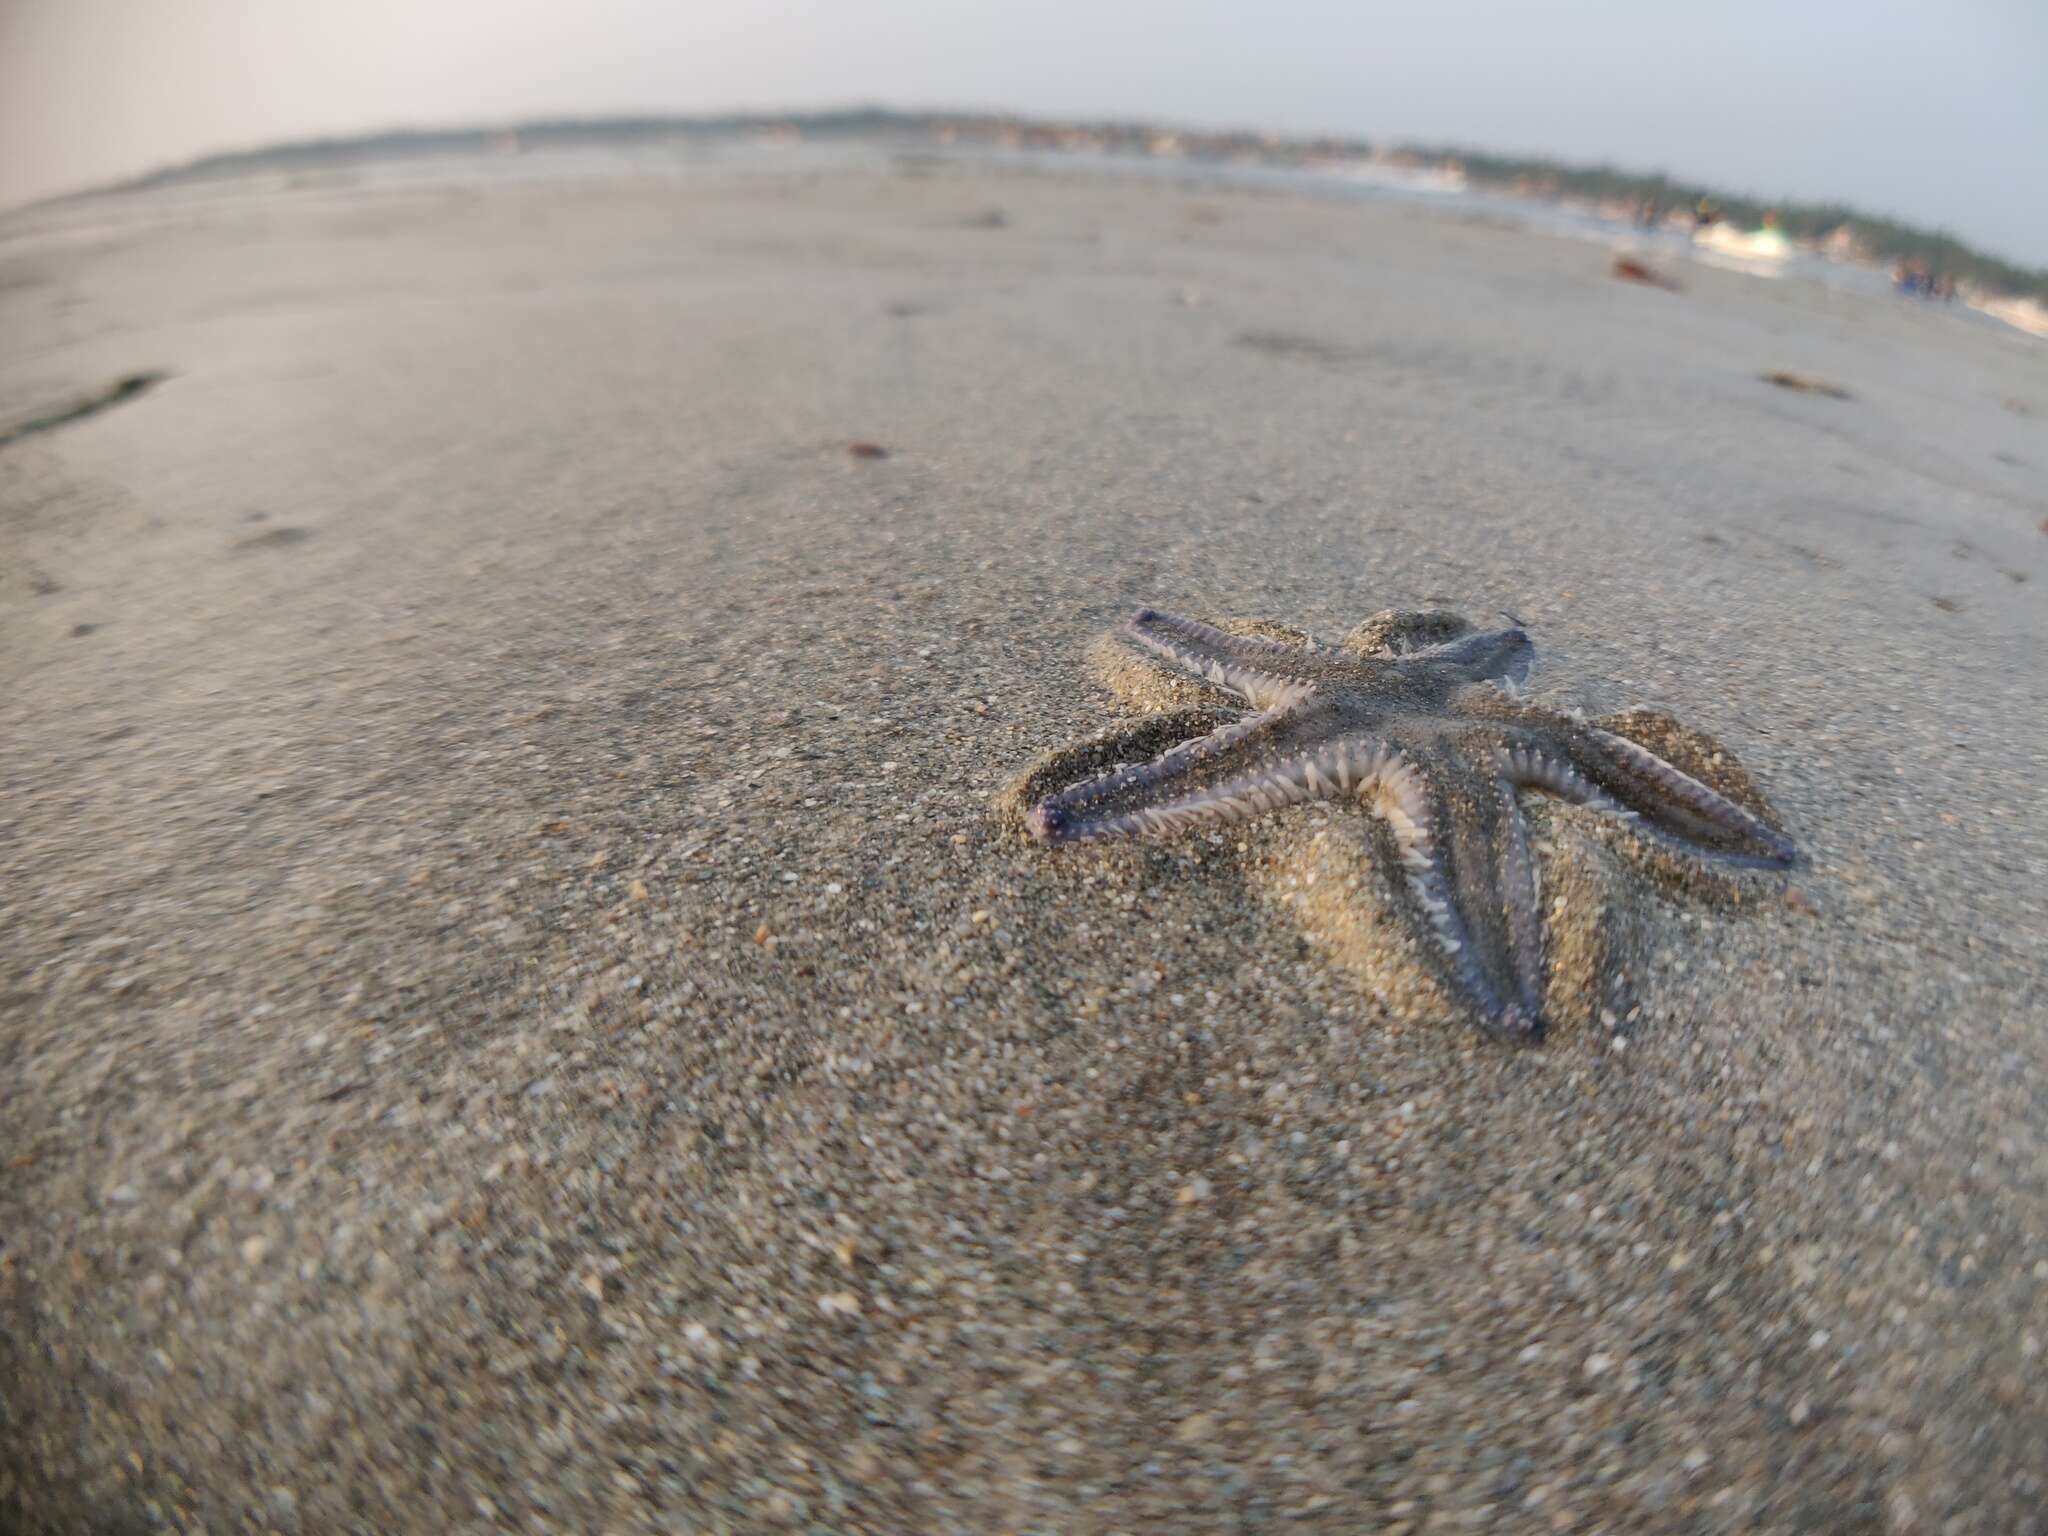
202 198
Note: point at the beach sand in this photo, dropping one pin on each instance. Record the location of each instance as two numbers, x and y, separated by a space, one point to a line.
516 1011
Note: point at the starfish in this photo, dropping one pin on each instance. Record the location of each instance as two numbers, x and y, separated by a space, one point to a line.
1419 718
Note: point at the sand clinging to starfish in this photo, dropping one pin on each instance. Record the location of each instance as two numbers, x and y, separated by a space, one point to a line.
1418 718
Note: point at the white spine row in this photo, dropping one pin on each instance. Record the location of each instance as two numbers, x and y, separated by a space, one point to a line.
1529 768
1261 689
1265 690
1342 768
1399 795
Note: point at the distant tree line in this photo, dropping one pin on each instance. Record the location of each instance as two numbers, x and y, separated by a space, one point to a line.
1881 238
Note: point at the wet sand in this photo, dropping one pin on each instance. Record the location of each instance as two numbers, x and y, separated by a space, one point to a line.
516 1012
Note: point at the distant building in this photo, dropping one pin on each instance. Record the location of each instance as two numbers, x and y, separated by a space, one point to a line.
1842 244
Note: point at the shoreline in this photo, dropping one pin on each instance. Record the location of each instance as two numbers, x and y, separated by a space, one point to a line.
1312 166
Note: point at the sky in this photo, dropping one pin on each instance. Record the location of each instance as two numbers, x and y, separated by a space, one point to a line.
1933 112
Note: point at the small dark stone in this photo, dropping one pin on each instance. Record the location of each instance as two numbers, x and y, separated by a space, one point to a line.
276 538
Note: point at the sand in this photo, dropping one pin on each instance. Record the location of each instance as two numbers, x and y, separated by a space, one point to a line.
516 1012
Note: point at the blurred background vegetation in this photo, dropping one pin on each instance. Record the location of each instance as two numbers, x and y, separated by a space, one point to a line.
1880 239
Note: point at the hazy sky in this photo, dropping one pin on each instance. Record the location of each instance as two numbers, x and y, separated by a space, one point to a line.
1936 110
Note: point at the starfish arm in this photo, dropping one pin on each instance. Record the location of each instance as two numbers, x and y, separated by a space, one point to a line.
1497 656
1434 635
1265 672
1589 766
1471 871
1673 804
1246 767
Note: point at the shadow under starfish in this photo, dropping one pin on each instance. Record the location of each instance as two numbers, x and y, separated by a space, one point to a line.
1418 717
